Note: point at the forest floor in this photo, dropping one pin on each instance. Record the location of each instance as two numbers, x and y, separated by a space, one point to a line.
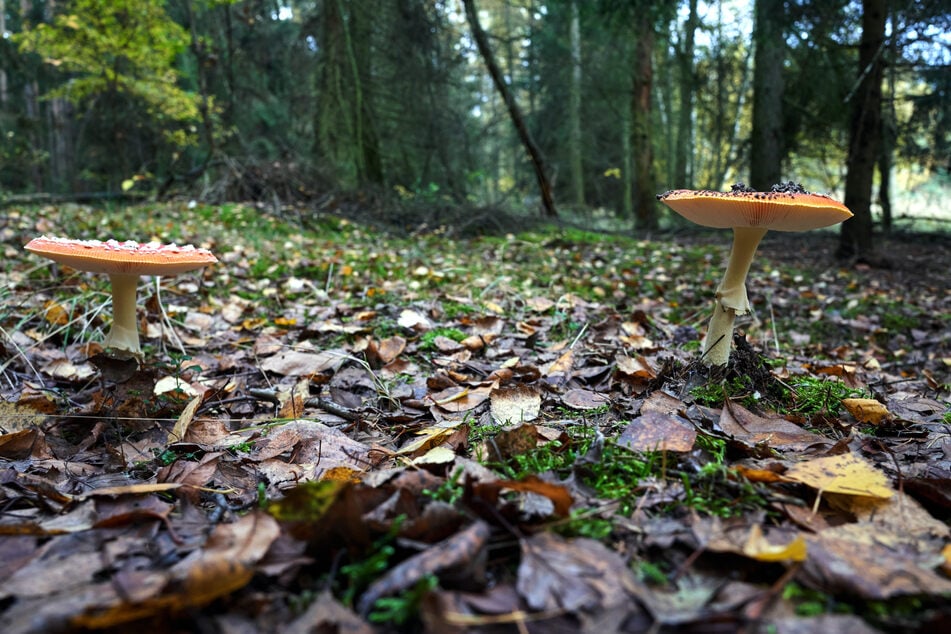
339 430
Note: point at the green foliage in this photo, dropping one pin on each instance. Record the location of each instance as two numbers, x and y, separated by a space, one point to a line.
812 395
125 46
400 609
450 491
585 523
714 394
809 602
427 341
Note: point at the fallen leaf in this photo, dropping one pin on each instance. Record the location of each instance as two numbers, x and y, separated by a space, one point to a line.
573 575
759 548
460 550
845 473
296 363
773 431
654 431
866 410
515 405
584 400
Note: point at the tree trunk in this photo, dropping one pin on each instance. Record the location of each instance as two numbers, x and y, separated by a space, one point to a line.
889 134
358 34
31 109
59 128
574 108
645 196
3 70
687 82
766 152
855 239
515 113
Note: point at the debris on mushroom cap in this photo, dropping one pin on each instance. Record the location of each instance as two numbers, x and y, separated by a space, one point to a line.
786 207
129 257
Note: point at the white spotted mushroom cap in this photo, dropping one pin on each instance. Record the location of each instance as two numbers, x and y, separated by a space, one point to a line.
122 258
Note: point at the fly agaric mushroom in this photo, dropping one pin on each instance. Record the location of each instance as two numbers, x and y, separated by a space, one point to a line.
786 207
123 262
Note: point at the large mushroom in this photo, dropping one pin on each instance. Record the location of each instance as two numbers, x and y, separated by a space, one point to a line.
123 262
786 207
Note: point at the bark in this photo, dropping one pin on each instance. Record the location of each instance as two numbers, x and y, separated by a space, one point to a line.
359 49
645 200
515 113
766 152
889 135
3 70
686 80
60 146
574 109
855 239
202 62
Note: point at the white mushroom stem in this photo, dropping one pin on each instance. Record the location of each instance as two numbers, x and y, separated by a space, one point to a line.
124 334
731 296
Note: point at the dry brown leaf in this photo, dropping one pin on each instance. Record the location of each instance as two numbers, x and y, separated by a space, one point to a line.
461 399
773 431
515 405
573 575
562 365
296 363
654 431
583 400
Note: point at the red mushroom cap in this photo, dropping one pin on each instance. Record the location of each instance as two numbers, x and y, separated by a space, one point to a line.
122 258
782 209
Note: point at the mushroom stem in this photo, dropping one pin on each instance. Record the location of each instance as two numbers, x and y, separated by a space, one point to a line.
731 296
124 334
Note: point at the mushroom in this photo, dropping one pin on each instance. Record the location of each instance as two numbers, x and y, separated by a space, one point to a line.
786 207
123 262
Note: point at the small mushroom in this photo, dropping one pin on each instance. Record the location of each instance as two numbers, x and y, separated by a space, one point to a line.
123 262
786 207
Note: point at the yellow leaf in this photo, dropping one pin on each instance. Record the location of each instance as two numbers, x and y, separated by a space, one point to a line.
429 438
184 420
341 473
493 307
866 410
435 456
847 474
56 314
759 548
128 184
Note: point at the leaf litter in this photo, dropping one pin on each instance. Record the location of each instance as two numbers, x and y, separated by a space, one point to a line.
369 433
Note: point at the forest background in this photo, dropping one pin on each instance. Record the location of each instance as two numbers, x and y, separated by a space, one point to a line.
579 109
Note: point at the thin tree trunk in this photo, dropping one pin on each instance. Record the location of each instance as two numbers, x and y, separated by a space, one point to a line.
645 201
766 152
59 130
686 80
855 239
31 108
574 108
889 134
204 106
3 70
515 113
627 165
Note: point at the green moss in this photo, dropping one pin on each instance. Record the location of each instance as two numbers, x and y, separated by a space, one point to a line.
428 340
